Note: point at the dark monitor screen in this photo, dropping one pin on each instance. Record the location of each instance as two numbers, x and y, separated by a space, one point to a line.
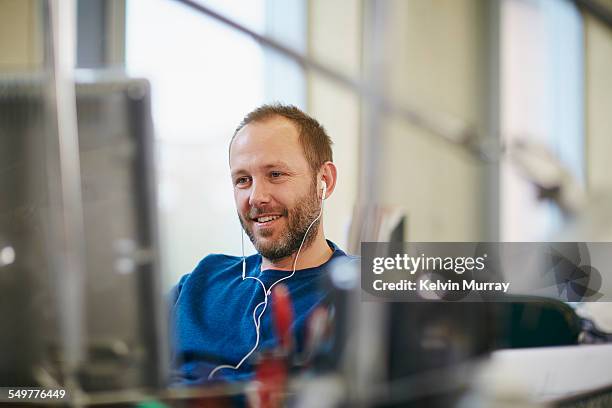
124 315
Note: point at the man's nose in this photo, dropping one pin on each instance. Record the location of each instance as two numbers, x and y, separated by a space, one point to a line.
260 194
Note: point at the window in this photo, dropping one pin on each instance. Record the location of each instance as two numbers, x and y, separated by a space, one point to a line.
205 77
542 100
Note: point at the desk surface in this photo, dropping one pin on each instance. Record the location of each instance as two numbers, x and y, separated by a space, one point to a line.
552 373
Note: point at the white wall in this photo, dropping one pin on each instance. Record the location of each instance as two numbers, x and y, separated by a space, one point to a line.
20 42
439 64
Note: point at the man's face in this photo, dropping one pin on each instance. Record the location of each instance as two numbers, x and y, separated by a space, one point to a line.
274 188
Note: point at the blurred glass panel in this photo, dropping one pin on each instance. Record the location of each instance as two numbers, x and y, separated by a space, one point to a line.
205 77
542 101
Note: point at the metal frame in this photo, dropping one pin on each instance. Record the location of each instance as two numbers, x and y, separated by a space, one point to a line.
597 10
449 128
64 180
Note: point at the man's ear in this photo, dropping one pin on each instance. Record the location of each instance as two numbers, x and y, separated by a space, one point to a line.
328 174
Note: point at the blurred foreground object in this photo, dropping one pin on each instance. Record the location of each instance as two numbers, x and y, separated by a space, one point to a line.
123 310
551 178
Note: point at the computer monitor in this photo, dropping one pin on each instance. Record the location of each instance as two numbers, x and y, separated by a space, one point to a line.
124 314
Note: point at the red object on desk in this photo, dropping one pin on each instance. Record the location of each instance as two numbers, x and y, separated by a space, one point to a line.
271 380
282 313
271 372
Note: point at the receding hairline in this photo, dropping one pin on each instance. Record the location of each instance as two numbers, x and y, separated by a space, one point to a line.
313 139
268 118
263 120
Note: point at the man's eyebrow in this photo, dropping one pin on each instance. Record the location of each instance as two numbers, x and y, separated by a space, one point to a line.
278 163
234 173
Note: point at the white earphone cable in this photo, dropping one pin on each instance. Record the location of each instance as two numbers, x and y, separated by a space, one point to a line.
257 321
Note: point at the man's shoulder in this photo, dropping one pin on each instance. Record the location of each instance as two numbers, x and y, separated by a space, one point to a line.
340 255
218 260
345 259
214 264
340 260
210 265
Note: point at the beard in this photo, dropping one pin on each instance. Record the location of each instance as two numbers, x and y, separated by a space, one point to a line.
298 219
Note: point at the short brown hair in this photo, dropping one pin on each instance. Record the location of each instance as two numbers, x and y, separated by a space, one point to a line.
315 141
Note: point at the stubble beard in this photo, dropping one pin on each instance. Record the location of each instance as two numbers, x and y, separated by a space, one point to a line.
298 218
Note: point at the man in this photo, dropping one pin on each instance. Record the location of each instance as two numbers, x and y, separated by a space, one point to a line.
281 166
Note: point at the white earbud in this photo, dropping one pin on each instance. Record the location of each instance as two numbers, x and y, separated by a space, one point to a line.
324 189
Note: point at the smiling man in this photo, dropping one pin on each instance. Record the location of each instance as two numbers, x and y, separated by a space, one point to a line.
282 170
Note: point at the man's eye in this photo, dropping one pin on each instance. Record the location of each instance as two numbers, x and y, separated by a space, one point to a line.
275 174
242 180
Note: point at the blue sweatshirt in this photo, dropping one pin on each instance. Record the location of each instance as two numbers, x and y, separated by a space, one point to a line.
212 313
